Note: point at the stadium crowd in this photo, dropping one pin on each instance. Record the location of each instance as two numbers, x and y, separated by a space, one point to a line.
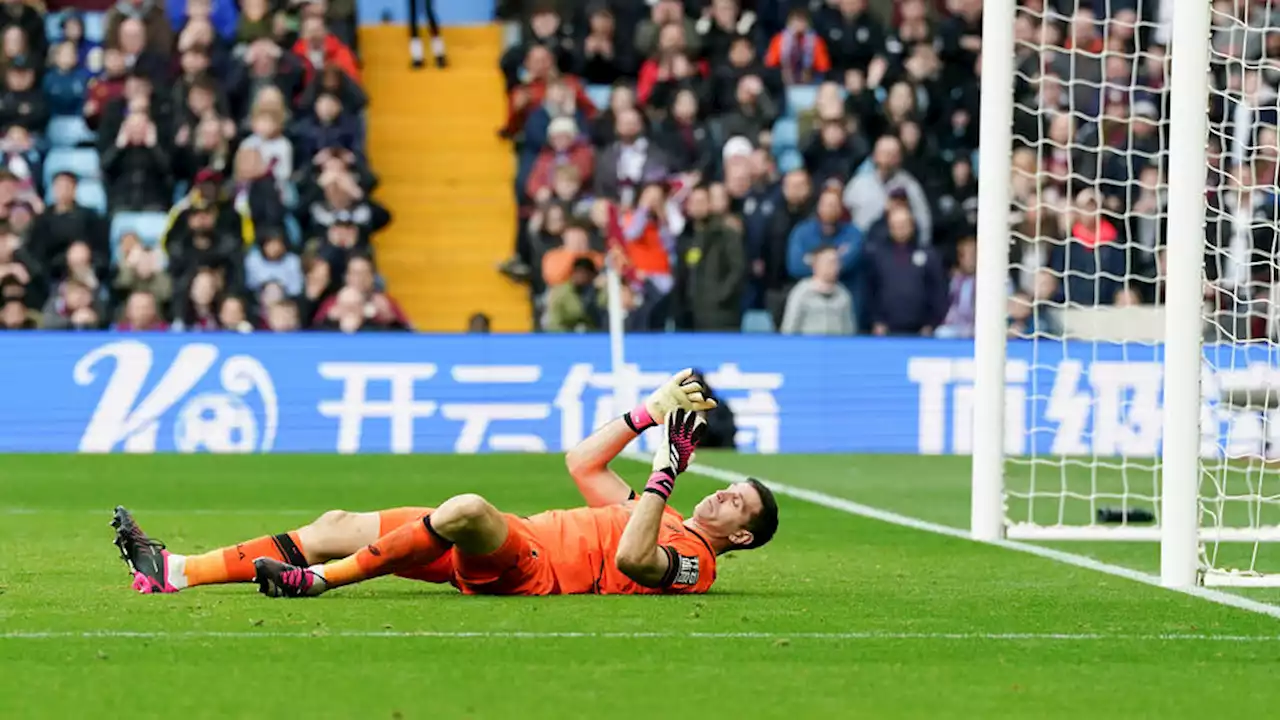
187 165
810 166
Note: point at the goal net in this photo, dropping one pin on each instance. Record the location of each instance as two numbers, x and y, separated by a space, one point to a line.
1088 364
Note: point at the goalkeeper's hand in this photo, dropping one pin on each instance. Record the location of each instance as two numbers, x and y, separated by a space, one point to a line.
680 437
682 391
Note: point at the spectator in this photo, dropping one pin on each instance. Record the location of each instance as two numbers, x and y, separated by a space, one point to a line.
769 263
21 274
136 167
66 83
263 65
819 304
223 14
282 316
72 308
25 17
328 127
754 111
906 290
65 222
198 311
685 138
721 24
668 70
342 200
140 55
574 305
833 155
530 94
20 158
711 270
664 13
742 62
1092 258
106 89
603 61
89 54
267 120
271 262
352 99
14 315
558 262
621 99
478 324
629 162
320 49
201 236
379 309
798 51
22 102
142 269
256 195
564 147
961 293
141 314
828 226
545 32
233 316
852 34
559 102
151 25
868 192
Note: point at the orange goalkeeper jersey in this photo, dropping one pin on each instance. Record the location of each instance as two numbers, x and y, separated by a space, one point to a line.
581 545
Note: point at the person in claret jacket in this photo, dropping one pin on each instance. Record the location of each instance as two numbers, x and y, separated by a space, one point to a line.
105 88
564 147
798 51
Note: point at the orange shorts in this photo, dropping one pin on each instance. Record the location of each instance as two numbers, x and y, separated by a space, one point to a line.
519 567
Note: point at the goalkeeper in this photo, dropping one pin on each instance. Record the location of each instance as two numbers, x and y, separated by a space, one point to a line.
619 543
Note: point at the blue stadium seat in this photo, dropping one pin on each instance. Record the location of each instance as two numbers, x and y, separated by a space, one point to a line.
786 135
148 225
790 159
81 161
757 321
599 95
91 194
95 27
68 131
801 98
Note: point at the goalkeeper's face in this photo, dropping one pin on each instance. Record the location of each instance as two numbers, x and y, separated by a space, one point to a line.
728 512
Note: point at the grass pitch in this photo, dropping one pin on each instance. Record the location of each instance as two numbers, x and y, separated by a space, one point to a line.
840 617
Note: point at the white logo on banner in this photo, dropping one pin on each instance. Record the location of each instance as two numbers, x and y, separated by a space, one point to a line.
210 421
584 400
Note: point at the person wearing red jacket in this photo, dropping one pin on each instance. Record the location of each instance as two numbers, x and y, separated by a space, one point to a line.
798 51
380 310
670 65
526 97
321 49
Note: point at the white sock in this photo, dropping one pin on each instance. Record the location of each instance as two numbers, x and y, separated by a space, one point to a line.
176 572
319 585
415 50
437 46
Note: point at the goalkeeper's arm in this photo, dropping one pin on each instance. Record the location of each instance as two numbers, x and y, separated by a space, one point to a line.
588 462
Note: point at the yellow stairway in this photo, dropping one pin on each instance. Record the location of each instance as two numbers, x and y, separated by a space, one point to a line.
446 178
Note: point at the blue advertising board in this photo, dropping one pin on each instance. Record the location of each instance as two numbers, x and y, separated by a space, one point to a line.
534 393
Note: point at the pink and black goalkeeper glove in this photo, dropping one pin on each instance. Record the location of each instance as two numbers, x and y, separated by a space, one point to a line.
680 437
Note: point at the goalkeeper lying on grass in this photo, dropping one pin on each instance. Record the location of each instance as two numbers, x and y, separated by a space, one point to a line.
619 543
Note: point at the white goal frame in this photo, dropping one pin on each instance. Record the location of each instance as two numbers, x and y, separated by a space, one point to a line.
1179 532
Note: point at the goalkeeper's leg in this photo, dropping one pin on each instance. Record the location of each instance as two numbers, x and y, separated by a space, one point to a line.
333 535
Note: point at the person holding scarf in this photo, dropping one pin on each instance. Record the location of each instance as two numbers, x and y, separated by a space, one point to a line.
798 51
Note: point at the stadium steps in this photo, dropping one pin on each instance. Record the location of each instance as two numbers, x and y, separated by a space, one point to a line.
446 178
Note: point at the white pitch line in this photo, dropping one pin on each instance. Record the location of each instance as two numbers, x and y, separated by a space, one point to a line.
518 635
1080 561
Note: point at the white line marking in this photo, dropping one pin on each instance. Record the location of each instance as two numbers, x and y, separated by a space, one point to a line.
1080 561
518 635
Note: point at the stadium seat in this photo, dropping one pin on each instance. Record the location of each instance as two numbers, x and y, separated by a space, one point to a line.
83 162
757 321
68 131
599 95
91 194
786 135
148 225
790 159
801 98
95 27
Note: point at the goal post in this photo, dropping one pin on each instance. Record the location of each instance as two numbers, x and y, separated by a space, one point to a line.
1150 398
